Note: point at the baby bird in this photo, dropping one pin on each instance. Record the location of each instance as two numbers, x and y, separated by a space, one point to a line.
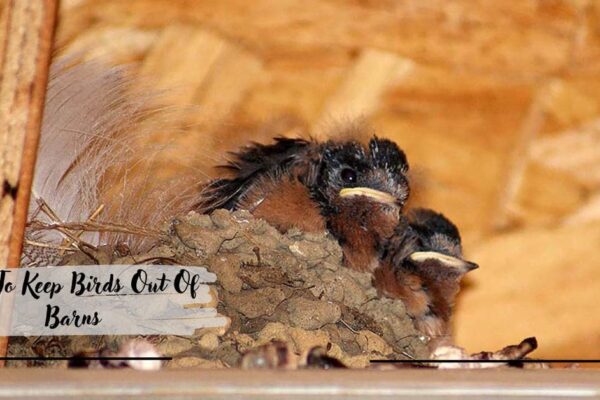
423 266
355 191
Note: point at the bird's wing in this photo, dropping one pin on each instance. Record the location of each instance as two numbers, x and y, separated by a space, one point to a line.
248 166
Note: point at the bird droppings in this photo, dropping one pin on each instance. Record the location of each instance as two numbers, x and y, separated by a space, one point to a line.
288 287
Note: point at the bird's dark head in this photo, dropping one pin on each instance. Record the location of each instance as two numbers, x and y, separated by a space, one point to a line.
437 242
347 171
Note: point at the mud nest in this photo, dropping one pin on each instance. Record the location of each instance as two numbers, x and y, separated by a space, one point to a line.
288 287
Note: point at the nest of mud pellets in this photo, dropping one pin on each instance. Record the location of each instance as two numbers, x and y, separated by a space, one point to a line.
288 287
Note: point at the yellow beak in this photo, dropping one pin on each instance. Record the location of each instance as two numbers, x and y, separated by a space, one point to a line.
448 261
376 195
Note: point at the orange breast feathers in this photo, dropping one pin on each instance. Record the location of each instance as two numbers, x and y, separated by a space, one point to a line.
284 203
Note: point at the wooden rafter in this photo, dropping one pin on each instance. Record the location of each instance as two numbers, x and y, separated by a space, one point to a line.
26 34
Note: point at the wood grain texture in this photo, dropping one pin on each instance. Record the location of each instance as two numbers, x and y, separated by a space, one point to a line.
359 95
537 283
28 28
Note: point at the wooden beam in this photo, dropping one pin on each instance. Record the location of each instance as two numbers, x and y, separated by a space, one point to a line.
27 31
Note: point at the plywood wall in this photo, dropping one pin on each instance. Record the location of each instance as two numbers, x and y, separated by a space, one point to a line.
497 104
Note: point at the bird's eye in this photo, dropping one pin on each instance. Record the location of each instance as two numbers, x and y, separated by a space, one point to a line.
348 175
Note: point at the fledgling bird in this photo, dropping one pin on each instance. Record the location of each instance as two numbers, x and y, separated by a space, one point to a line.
355 191
423 266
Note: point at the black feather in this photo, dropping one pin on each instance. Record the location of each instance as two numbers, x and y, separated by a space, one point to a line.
387 155
252 163
423 229
428 222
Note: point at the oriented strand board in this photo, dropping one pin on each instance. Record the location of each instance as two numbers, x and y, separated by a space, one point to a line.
535 282
358 96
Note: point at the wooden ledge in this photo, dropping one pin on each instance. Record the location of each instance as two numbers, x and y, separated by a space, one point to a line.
354 384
